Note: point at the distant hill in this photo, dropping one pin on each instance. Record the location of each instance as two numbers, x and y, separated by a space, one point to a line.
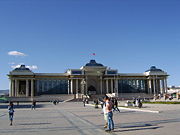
4 92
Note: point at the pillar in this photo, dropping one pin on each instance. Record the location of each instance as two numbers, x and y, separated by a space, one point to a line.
158 86
150 86
165 85
71 86
27 88
112 86
68 86
86 86
77 87
16 88
154 86
10 88
43 85
32 88
101 83
37 87
12 81
116 86
107 91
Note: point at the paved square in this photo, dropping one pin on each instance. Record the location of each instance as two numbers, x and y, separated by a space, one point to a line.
72 118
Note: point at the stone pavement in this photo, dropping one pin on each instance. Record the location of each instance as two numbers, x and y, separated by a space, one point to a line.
73 119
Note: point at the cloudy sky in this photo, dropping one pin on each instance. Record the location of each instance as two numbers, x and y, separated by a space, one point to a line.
54 35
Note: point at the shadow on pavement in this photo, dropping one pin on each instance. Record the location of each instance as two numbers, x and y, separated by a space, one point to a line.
135 129
141 125
34 123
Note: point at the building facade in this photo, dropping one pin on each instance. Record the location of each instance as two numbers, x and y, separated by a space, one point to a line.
91 79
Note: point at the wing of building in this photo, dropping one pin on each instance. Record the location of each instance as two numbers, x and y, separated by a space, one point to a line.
92 79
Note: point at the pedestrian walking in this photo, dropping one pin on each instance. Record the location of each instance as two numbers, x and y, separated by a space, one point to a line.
84 102
33 105
116 105
109 105
11 112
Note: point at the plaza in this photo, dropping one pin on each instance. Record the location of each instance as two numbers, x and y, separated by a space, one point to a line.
72 118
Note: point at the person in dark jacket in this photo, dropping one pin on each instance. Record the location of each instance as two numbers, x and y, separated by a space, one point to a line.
11 112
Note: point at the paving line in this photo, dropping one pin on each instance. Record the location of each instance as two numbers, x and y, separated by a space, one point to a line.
82 126
131 109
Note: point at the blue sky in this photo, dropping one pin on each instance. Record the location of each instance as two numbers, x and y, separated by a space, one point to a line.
54 35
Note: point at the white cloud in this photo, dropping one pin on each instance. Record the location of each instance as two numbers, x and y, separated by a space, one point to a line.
15 66
32 67
16 53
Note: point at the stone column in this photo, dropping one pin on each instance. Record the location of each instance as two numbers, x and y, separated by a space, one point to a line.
150 87
77 86
68 86
16 88
27 88
112 91
71 86
165 85
86 89
159 86
116 86
12 88
163 88
43 85
32 88
37 87
136 83
101 83
107 91
154 86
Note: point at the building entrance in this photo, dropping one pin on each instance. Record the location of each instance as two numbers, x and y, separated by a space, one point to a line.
91 90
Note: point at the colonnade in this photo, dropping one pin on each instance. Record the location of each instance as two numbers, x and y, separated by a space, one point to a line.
111 85
107 85
157 86
15 88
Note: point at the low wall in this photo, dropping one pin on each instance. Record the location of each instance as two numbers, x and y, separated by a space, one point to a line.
43 98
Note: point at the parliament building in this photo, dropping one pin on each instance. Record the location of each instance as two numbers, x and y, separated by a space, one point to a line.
91 79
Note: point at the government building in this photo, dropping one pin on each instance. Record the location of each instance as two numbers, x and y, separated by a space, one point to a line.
91 79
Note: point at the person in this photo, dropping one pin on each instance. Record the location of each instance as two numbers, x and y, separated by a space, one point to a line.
105 113
11 112
33 105
116 105
109 105
112 99
84 102
87 102
96 103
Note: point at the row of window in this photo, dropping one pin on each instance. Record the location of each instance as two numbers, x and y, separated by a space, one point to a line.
132 86
51 87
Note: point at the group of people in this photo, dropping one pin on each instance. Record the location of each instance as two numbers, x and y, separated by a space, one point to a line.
137 102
